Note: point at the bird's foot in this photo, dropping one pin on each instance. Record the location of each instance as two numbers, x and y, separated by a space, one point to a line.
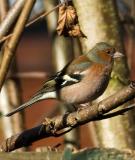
75 107
49 125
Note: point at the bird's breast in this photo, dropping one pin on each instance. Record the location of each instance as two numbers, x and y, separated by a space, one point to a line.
91 86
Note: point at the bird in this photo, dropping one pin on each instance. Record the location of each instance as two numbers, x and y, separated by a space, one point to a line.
82 80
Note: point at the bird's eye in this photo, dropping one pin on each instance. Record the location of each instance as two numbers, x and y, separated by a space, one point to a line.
108 52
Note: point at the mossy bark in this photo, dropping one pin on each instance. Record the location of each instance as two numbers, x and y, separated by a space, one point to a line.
99 21
87 154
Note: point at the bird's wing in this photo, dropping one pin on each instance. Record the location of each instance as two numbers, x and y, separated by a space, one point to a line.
59 80
69 75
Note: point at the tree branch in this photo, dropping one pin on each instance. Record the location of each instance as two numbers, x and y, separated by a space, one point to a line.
50 127
10 18
10 47
4 6
37 18
116 113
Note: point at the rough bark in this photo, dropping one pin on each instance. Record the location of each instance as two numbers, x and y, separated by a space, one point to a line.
99 21
93 154
54 126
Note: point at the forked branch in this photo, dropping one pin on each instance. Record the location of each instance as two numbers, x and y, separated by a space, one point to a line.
55 126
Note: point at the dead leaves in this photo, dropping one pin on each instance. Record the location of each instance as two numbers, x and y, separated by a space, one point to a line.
68 22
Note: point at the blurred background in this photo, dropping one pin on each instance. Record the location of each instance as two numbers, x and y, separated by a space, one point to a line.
35 61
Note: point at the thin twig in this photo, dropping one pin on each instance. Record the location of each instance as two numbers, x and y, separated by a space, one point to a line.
32 21
43 15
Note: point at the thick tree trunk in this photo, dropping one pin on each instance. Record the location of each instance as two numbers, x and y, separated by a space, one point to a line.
99 22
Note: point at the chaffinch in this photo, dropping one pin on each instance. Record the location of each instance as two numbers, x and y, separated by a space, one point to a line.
81 80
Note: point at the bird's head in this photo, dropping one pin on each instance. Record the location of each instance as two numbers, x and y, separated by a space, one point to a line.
103 53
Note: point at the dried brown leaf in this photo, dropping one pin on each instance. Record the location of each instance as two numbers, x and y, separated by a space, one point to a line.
61 19
68 22
71 16
76 32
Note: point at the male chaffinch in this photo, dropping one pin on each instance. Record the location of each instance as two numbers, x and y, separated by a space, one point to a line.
81 80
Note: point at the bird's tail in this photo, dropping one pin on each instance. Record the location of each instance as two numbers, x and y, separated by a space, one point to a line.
46 92
23 106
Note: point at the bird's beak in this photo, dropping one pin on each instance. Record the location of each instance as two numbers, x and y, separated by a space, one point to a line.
118 55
